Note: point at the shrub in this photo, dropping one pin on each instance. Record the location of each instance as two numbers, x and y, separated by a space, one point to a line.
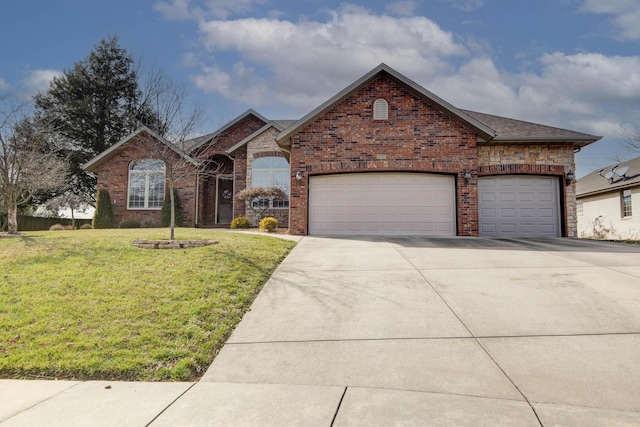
86 227
103 216
56 227
240 222
263 196
129 224
268 224
165 214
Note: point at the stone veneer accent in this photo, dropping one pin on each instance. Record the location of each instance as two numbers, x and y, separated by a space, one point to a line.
535 159
172 244
263 145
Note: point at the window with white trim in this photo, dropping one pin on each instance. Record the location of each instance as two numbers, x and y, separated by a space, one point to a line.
626 203
271 172
380 109
580 207
146 184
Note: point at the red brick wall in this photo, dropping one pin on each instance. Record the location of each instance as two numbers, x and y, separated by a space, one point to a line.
113 175
223 142
417 137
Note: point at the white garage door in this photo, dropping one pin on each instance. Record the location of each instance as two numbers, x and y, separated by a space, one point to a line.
382 204
519 206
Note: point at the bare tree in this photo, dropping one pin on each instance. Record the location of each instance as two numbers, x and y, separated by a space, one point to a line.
27 163
68 200
172 140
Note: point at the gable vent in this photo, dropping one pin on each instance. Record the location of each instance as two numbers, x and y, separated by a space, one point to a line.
380 109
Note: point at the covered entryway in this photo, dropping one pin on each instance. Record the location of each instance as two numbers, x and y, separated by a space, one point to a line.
519 206
386 203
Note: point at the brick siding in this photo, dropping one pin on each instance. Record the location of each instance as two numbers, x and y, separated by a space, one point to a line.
416 137
113 175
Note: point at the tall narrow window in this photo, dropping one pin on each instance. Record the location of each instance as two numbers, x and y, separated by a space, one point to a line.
271 172
380 109
146 184
626 203
580 207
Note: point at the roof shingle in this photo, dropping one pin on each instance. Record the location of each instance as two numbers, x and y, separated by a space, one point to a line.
597 181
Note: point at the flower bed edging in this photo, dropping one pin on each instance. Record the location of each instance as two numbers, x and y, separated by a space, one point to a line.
172 244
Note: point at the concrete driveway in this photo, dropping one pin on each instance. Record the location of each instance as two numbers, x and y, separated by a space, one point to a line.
436 331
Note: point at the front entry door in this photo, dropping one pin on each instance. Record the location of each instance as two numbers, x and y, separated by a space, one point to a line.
224 204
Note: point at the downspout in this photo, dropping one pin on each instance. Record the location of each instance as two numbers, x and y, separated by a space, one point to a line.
289 209
197 199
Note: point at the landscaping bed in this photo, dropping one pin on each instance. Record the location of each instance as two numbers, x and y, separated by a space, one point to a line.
86 304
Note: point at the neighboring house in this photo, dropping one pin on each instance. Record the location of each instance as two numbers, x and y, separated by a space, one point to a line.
607 200
384 156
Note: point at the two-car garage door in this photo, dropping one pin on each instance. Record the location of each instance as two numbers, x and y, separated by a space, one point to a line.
382 204
425 204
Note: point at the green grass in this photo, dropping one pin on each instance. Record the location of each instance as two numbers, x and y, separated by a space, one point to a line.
87 305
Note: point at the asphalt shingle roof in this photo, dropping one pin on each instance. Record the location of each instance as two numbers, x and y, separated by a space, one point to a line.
518 130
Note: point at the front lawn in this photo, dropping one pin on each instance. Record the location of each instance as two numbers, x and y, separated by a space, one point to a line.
87 305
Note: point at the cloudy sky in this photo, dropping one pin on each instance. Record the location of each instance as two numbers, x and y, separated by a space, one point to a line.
568 63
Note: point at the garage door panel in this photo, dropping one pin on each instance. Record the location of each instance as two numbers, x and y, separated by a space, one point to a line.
382 203
547 213
507 213
507 197
519 206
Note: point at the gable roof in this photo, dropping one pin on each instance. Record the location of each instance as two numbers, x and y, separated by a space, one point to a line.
92 165
483 130
201 140
597 182
279 125
518 131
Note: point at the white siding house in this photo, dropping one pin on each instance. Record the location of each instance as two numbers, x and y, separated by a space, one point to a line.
608 202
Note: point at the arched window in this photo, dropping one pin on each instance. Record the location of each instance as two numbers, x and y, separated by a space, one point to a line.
271 172
380 109
146 184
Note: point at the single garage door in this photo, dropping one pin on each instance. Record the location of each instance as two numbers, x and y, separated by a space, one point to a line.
382 204
519 206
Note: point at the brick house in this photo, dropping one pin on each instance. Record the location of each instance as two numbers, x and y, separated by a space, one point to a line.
606 201
383 156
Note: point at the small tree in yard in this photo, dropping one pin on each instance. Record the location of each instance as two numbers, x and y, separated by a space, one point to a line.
28 164
165 214
103 217
261 199
176 122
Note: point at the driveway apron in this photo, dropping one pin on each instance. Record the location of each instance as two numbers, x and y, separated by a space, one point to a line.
438 331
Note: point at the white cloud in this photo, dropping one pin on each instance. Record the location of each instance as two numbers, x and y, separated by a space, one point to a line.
466 5
626 15
403 7
176 10
182 10
295 66
3 85
307 61
477 85
39 80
